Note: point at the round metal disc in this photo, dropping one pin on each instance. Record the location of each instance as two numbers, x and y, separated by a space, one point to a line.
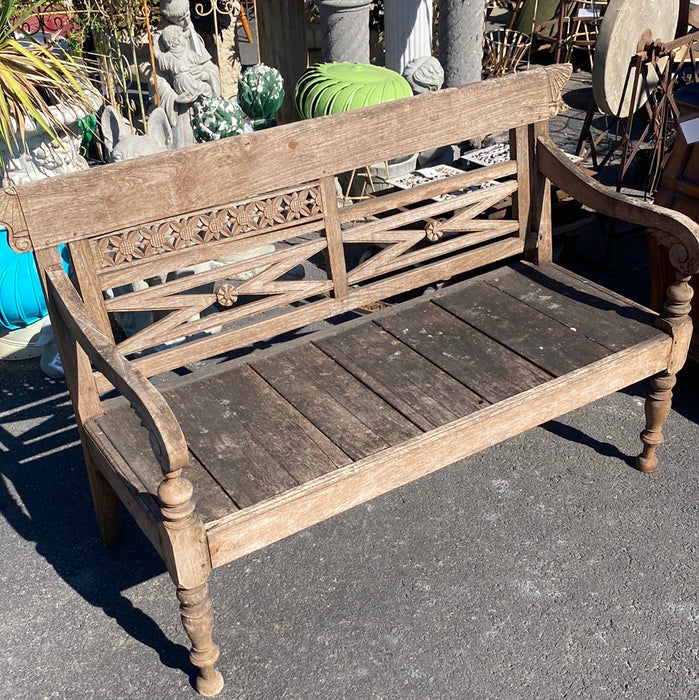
623 25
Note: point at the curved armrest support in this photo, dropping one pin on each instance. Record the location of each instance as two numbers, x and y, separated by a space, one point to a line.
167 440
674 230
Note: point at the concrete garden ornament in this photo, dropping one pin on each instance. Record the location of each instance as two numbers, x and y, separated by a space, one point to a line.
122 144
184 71
216 118
424 74
260 94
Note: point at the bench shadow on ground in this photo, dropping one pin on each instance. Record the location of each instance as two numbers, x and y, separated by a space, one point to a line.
44 497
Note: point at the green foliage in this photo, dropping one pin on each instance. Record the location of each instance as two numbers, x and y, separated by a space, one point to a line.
32 78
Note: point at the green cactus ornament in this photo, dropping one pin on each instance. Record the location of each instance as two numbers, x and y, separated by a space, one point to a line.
260 94
216 118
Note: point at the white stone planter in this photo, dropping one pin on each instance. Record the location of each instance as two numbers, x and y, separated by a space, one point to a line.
42 158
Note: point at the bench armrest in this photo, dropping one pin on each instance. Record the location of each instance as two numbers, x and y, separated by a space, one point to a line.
674 230
166 438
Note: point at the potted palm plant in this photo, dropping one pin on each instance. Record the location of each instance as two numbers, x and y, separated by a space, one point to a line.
43 96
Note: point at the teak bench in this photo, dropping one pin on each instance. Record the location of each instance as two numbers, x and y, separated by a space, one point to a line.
294 423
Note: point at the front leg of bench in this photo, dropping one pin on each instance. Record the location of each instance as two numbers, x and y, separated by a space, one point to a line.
676 321
198 620
657 409
186 554
183 543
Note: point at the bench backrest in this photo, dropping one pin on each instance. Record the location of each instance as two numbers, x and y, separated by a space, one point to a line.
262 204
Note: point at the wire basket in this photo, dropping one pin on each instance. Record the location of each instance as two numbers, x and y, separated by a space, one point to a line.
503 50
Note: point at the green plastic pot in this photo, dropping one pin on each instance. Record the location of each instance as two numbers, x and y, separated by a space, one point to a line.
329 88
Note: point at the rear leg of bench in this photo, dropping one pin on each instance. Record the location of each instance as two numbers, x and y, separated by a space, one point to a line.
198 621
106 505
657 409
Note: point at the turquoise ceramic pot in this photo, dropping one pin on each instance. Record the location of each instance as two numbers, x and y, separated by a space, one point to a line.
21 296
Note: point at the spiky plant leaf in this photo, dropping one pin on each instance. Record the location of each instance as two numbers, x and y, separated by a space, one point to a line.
32 78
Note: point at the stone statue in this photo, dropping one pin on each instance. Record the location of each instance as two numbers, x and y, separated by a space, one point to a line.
184 71
121 144
425 74
41 155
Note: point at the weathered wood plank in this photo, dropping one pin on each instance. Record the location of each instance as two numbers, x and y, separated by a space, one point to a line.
402 198
616 324
345 410
422 392
475 360
551 345
274 424
122 427
246 471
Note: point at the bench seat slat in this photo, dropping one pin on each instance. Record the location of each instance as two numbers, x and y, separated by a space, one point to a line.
472 358
348 412
551 345
566 298
234 457
296 445
143 473
425 394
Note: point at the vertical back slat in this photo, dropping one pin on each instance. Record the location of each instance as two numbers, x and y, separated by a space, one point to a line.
337 269
82 258
541 248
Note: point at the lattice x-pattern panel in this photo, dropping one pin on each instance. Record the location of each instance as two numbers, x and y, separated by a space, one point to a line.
462 211
260 246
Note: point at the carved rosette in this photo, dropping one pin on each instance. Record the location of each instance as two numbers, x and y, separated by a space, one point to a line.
433 231
226 295
240 219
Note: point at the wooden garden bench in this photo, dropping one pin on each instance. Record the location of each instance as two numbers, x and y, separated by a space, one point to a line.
313 405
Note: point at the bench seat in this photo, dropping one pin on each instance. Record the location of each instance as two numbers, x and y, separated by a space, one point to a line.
335 409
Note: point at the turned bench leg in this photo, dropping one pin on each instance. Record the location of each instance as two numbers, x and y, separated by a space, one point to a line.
106 505
657 408
198 621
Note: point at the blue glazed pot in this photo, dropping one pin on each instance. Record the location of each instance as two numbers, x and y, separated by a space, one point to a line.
21 296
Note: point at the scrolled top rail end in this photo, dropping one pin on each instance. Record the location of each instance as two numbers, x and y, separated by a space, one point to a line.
12 219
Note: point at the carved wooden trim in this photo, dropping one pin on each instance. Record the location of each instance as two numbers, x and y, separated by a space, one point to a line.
557 76
681 257
238 219
12 217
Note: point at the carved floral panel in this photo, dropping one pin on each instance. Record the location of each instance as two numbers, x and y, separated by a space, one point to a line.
241 219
